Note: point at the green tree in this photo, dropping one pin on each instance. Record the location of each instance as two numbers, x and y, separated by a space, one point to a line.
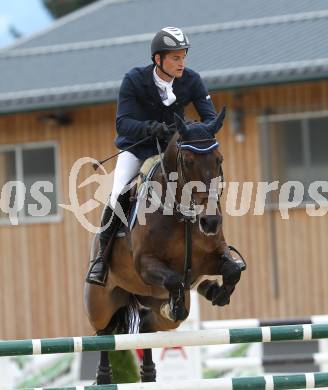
59 8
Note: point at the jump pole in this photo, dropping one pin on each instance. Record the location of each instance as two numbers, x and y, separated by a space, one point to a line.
163 339
268 382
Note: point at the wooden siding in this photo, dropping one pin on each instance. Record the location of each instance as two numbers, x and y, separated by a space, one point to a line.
42 266
299 242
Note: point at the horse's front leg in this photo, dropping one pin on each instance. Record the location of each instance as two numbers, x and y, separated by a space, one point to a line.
156 273
230 269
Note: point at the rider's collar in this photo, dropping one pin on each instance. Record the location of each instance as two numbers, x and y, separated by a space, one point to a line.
160 82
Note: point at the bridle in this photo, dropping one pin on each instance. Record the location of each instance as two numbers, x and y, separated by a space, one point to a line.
181 145
181 211
187 214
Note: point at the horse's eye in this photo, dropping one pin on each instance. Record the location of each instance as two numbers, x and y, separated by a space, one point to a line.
218 161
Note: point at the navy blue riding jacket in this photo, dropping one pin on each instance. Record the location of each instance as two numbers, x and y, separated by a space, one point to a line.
139 103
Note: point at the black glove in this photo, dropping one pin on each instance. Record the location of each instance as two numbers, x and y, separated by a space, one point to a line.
159 130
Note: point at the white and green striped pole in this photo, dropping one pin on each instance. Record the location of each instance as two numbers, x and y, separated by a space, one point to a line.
163 339
268 382
228 363
254 322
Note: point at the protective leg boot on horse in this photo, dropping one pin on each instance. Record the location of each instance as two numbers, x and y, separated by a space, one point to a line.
98 270
231 271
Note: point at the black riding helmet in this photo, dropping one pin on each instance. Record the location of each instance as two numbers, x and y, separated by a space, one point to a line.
168 39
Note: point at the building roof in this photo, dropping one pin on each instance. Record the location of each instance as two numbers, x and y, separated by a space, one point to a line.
82 58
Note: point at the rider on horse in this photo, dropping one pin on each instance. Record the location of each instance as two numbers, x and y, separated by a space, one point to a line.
148 99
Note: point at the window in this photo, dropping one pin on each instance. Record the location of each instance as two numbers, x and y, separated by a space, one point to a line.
294 148
28 182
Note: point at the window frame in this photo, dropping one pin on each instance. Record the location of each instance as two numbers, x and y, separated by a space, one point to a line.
18 149
265 151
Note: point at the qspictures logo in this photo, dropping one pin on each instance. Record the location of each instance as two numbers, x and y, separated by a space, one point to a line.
241 197
14 195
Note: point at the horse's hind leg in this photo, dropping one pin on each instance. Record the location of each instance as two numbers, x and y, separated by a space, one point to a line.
148 368
104 370
101 305
151 320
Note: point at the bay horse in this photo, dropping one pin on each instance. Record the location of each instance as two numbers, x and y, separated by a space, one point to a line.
153 267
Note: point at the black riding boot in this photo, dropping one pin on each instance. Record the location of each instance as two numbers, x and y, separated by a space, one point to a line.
98 270
97 273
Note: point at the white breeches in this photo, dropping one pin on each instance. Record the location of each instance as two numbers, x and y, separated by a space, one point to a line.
127 166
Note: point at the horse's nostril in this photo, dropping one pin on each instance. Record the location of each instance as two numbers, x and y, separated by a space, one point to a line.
211 223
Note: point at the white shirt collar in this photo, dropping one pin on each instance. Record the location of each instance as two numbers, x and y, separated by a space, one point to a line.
160 82
165 89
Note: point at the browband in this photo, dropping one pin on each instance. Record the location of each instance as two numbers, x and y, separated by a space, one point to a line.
196 149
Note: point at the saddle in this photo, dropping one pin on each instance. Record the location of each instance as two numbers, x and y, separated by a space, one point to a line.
145 174
147 170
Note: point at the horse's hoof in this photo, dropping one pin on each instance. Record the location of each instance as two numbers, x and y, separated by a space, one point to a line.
148 373
177 308
178 312
181 314
220 296
173 314
104 376
103 380
231 272
149 378
174 284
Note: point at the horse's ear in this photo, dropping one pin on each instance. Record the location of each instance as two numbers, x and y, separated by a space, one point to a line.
180 125
215 125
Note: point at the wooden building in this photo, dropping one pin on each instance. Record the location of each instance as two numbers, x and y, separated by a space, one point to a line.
58 105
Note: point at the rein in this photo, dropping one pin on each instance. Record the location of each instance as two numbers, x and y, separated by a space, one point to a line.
98 163
101 162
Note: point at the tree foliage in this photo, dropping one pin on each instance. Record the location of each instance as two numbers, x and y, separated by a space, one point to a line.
59 8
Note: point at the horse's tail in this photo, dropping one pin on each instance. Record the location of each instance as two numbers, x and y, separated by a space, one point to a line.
126 319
